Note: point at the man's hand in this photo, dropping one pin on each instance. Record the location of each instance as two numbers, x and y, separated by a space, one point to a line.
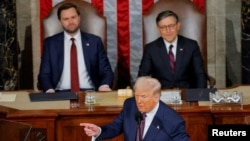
104 88
50 91
91 129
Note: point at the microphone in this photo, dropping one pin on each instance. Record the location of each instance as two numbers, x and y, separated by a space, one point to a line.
138 117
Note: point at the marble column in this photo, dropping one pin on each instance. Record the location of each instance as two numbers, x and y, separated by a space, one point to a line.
245 13
8 46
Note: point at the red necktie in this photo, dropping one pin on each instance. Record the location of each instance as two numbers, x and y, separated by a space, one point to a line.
140 130
171 58
74 68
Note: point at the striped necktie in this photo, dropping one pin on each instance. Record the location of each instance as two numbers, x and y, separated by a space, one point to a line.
171 59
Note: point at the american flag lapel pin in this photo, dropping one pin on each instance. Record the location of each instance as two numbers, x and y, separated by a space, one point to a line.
87 44
181 49
158 127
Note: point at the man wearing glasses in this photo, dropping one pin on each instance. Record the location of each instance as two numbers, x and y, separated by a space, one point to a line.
173 59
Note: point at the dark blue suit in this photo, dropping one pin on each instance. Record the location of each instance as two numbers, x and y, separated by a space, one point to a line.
97 63
167 125
189 67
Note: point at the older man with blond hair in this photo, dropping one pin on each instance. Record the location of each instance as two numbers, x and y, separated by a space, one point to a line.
161 123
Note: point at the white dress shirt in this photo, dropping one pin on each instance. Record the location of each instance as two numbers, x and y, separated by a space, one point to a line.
174 43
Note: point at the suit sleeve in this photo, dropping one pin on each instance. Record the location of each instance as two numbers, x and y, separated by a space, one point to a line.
105 70
199 70
45 70
145 65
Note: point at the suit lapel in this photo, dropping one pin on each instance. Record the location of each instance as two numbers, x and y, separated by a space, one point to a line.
133 130
155 127
179 55
86 50
130 128
153 130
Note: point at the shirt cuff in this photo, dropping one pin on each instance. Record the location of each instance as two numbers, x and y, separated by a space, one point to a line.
94 138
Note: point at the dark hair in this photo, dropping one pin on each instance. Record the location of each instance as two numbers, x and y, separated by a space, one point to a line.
66 6
165 14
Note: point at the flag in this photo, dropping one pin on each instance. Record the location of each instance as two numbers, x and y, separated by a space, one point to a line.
124 33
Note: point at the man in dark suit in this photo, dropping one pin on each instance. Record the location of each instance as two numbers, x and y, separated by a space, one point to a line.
184 68
94 69
162 123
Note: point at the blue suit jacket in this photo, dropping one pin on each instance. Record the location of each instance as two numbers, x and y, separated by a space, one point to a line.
167 125
189 67
95 58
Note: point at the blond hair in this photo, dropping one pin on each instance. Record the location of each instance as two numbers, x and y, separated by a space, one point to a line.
148 83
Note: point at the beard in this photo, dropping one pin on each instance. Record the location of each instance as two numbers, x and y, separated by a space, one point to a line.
71 31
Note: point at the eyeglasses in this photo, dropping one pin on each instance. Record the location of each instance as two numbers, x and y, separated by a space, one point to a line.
169 27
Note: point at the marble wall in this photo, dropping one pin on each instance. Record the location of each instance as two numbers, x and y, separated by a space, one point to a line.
233 42
245 41
9 48
223 39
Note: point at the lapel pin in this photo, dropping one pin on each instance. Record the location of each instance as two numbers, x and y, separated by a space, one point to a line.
181 49
87 44
158 127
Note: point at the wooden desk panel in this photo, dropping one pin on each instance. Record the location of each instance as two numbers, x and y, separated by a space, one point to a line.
197 120
230 114
42 121
68 127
